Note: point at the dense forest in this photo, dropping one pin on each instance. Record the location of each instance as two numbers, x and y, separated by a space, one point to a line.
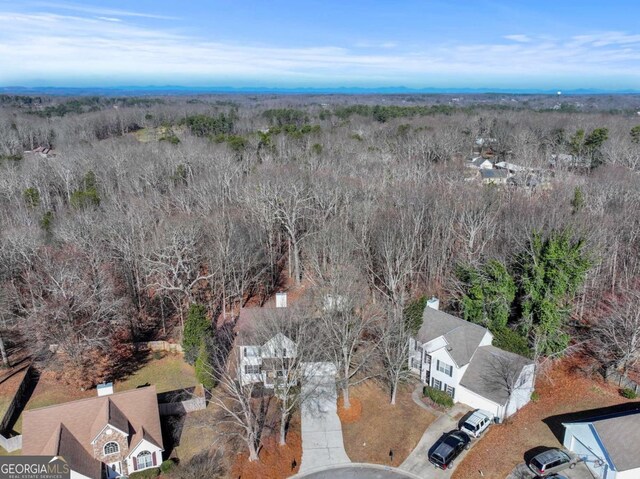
117 215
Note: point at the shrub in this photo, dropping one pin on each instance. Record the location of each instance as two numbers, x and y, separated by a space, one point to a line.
166 466
535 396
146 474
157 355
170 137
439 397
31 197
628 393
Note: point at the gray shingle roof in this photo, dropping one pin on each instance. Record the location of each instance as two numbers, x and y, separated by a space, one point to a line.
491 370
462 336
620 435
494 173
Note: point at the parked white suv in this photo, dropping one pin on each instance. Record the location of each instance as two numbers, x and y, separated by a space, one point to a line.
476 424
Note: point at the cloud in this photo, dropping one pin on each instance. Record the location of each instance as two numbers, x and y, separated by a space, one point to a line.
109 19
110 12
518 38
50 48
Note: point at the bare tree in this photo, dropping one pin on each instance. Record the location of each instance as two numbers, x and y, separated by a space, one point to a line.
279 329
290 203
505 374
345 327
617 333
394 336
176 263
242 407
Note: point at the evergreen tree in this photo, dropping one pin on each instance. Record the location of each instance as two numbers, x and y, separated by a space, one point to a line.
578 200
197 328
551 272
489 293
203 365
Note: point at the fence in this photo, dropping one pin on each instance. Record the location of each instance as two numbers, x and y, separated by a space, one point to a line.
614 376
14 443
182 407
160 346
182 401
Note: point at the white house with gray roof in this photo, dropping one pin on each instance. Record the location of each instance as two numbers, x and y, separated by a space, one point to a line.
608 445
456 356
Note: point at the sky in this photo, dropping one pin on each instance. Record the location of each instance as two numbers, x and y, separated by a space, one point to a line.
501 44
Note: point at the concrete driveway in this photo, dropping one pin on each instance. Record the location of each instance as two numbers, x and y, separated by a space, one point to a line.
418 461
322 443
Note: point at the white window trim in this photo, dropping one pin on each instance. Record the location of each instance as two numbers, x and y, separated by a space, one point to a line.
104 449
150 455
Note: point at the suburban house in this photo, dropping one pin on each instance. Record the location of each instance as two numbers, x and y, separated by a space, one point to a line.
265 363
494 176
607 444
480 163
510 167
107 436
456 356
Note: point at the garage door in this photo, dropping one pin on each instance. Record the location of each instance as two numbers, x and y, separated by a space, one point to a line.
588 456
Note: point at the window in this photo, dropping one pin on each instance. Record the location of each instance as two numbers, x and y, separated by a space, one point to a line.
111 448
415 364
144 460
252 369
450 390
284 353
437 385
445 368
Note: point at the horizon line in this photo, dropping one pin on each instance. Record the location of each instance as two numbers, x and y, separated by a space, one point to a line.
354 90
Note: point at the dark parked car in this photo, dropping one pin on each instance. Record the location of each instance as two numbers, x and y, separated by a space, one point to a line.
449 447
553 460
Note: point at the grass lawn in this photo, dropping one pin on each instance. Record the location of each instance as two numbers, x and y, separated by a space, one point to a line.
8 389
383 427
169 373
564 391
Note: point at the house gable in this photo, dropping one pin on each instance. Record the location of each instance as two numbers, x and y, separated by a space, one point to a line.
145 445
117 442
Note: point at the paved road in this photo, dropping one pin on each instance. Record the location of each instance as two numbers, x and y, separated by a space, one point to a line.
359 471
322 444
418 461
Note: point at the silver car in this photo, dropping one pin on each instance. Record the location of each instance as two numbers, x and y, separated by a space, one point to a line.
551 461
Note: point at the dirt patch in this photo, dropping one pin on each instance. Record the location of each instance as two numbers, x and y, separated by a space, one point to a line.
565 390
348 416
275 461
384 434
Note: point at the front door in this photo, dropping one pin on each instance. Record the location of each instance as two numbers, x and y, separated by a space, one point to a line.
114 469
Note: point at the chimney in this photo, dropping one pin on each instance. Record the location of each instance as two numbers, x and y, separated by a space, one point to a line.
433 303
281 300
105 389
